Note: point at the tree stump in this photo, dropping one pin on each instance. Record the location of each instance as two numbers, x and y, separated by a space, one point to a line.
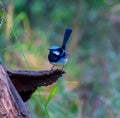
14 85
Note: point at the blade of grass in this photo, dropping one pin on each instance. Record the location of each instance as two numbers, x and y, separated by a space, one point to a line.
42 106
52 93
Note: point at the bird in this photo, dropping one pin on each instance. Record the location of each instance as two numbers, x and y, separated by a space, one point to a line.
58 56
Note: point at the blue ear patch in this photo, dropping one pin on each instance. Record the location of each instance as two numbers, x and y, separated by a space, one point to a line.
56 52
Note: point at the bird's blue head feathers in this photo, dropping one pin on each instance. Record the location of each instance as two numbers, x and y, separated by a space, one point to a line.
56 50
54 47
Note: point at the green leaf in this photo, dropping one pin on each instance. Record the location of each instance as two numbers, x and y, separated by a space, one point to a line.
52 93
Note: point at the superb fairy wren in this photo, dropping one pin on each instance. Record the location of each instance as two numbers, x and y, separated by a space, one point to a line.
58 56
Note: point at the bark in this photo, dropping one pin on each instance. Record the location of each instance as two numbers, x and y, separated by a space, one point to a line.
11 104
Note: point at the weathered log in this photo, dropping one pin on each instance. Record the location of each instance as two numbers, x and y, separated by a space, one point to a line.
11 104
26 82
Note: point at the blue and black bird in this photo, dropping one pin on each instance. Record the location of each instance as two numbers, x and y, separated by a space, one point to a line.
58 56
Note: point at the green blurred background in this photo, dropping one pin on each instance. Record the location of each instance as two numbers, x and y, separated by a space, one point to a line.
90 88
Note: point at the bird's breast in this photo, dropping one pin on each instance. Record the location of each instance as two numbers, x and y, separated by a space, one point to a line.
61 61
52 57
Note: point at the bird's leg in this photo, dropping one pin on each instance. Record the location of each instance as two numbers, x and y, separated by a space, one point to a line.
52 67
62 68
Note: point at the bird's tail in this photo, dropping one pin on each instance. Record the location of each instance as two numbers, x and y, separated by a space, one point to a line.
67 34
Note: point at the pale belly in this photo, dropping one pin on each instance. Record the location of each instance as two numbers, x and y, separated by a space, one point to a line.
60 62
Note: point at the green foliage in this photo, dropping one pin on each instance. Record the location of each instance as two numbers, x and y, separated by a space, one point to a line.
37 108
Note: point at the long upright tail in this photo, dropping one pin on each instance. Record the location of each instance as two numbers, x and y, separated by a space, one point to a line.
67 34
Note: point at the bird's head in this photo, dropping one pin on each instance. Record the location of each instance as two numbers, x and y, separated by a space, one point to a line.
56 50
